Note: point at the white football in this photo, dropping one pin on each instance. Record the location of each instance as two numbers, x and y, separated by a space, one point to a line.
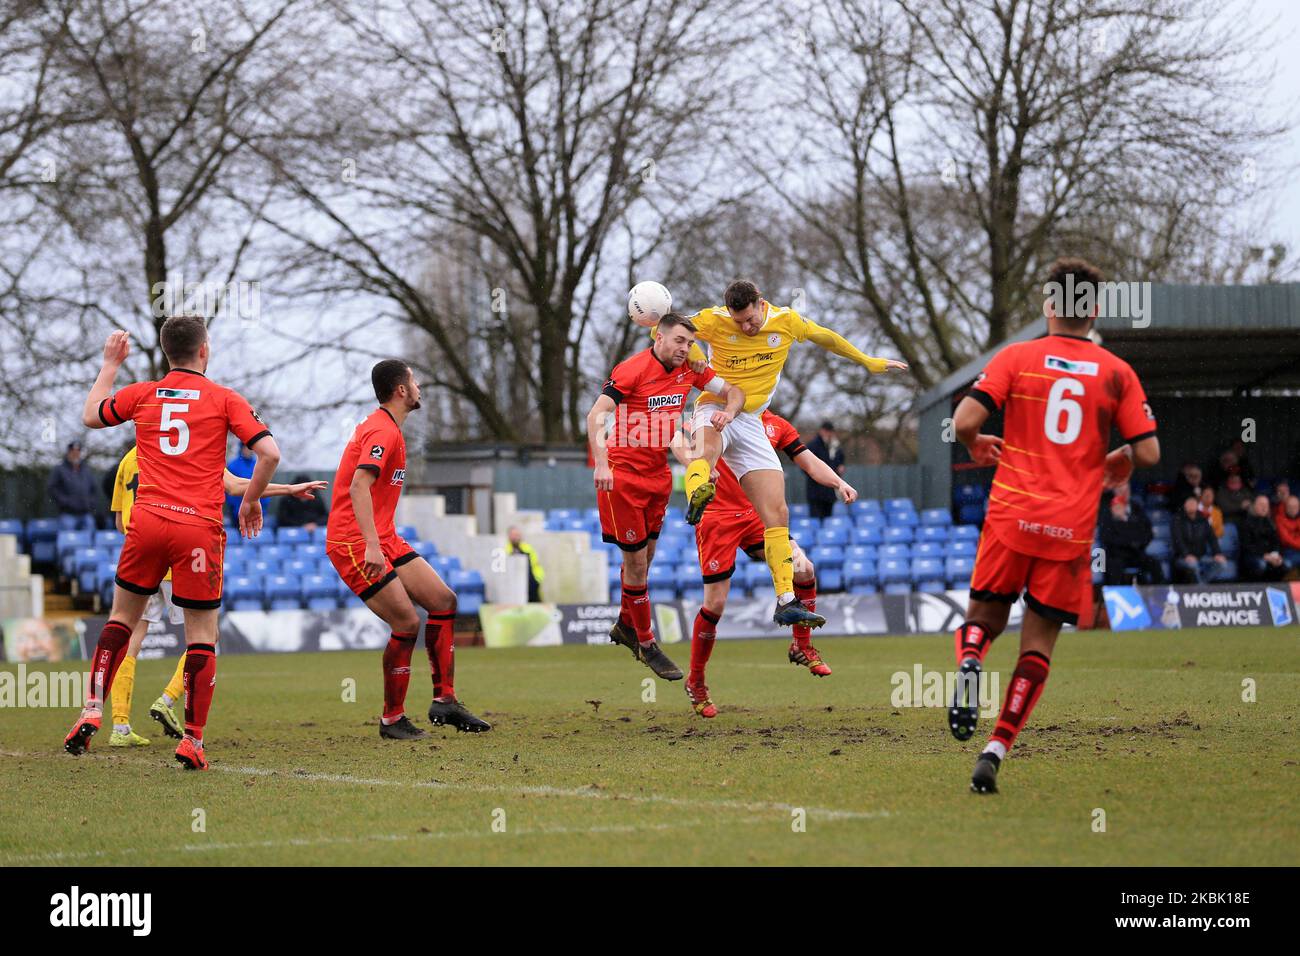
648 302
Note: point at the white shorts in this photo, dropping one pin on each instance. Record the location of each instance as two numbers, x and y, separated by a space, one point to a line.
745 447
159 601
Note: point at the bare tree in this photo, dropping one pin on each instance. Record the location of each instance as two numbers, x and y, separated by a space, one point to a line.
968 138
534 127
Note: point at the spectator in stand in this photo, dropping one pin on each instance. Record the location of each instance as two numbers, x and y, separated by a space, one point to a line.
1228 463
517 545
1125 534
1288 530
826 446
1280 495
1261 549
1244 467
72 488
1188 482
295 512
1197 558
1212 512
1234 499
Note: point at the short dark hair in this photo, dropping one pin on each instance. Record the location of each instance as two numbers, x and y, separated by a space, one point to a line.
387 375
1074 272
740 295
674 319
181 337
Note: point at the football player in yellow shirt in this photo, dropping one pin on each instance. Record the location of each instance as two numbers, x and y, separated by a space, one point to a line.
748 340
124 487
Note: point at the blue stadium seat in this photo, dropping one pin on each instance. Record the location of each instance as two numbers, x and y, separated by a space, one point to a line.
74 562
68 541
799 511
836 536
319 593
971 513
686 575
936 516
261 568
826 557
292 536
1230 542
662 584
837 521
693 596
592 514
865 506
283 592
1160 549
861 552
898 587
926 570
445 564
320 536
969 494
830 580
14 526
871 519
111 540
839 508
757 575
964 532
898 551
408 532
862 587
869 535
961 549
668 552
1161 532
299 567
958 570
857 573
470 590
242 593
898 535
902 519
895 571
899 504
306 551
928 549
41 536
928 532
805 526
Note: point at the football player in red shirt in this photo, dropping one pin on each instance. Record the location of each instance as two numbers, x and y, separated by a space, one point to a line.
731 523
646 395
181 422
382 569
1059 395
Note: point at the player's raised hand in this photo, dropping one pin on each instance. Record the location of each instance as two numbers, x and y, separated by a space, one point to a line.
372 565
250 518
117 348
847 493
893 365
987 450
699 365
306 490
604 478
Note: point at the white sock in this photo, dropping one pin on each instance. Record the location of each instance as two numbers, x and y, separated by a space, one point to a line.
997 748
167 699
785 597
121 728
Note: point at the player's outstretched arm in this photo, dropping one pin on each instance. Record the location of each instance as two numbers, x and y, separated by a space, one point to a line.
601 409
967 422
834 342
825 475
734 398
116 349
250 509
234 485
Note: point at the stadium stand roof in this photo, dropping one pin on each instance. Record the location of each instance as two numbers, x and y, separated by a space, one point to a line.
1200 342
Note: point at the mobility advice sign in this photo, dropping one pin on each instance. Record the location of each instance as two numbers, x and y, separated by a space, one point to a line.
1171 607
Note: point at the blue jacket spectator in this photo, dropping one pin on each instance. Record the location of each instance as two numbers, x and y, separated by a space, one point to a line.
72 487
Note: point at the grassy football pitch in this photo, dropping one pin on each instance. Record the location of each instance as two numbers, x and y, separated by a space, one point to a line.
1150 728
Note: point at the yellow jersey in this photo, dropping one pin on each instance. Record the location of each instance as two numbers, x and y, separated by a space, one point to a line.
753 363
124 487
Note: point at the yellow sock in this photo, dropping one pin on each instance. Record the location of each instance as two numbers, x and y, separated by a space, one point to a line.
697 473
123 688
176 686
780 559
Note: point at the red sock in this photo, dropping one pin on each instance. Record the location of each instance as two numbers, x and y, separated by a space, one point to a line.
636 605
702 638
397 674
440 645
1026 687
109 653
807 593
200 683
972 641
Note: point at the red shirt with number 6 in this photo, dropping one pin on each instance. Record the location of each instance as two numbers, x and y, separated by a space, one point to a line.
1060 395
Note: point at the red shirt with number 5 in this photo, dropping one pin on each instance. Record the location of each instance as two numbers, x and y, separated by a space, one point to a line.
1060 395
181 422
